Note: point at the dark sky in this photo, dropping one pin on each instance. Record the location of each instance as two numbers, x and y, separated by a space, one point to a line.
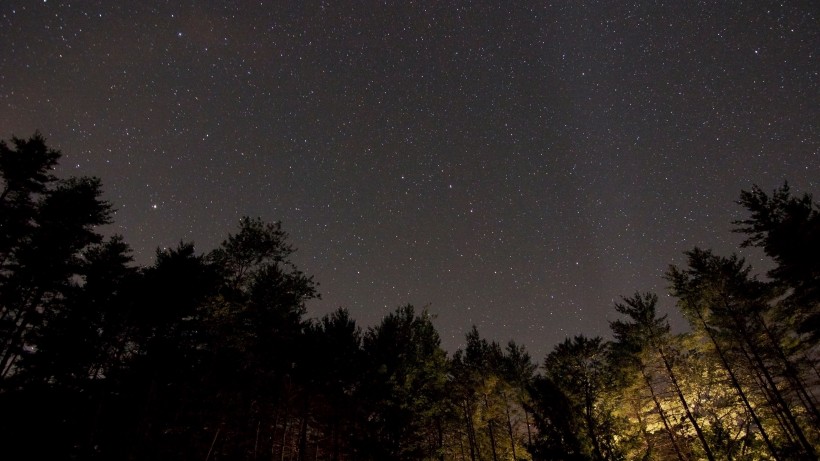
515 165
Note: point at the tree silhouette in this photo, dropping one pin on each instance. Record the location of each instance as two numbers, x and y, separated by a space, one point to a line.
405 384
46 225
210 356
558 431
26 172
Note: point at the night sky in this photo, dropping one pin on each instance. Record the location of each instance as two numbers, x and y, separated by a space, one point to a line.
514 165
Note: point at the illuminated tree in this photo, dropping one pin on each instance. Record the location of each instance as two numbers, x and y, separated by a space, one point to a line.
724 303
580 367
490 391
646 332
520 372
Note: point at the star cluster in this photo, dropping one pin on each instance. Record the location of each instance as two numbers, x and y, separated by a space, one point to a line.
513 165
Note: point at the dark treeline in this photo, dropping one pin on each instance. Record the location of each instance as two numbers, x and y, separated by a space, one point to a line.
210 356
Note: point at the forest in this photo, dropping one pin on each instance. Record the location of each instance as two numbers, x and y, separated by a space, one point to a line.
209 356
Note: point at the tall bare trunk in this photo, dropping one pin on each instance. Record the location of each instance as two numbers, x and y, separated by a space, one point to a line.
662 413
685 404
737 386
468 421
490 429
509 423
791 372
784 406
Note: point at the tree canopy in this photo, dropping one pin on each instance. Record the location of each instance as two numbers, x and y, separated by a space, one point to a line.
210 355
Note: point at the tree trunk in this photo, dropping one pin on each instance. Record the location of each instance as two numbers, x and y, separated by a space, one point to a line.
683 402
284 439
468 421
256 441
648 444
303 432
440 441
736 385
526 416
492 439
213 443
662 413
792 375
798 431
590 420
490 430
509 425
334 434
20 324
771 401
